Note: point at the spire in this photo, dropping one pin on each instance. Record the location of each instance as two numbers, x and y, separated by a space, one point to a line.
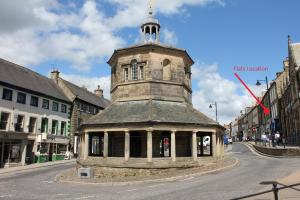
151 27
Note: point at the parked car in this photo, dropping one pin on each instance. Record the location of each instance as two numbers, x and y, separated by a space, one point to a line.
229 140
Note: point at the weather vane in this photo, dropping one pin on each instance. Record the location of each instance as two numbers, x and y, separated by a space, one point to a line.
150 7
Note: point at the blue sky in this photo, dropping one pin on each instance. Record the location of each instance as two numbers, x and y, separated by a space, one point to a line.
78 37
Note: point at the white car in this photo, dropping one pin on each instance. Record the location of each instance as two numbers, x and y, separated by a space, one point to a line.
230 140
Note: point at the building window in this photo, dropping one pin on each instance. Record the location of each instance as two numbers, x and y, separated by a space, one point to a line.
31 126
61 148
54 127
63 128
126 74
19 124
84 107
44 126
134 71
142 72
45 104
63 108
34 101
55 106
7 94
4 120
21 98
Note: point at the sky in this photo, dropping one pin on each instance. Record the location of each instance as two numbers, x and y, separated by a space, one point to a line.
77 37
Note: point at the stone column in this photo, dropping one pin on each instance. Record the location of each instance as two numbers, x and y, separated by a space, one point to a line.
105 145
214 144
173 145
149 145
86 146
144 34
24 150
194 145
127 145
150 33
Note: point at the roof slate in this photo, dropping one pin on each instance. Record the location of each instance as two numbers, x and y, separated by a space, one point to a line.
27 79
150 111
296 52
86 95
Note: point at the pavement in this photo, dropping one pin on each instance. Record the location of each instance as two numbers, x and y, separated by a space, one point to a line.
236 182
5 171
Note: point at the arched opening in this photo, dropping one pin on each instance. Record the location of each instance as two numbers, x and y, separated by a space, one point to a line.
166 69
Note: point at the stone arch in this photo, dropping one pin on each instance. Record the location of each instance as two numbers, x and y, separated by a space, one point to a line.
166 69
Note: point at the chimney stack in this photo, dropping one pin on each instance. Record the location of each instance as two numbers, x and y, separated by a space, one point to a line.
99 92
55 75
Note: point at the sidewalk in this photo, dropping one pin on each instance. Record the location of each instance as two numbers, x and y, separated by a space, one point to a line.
34 166
289 193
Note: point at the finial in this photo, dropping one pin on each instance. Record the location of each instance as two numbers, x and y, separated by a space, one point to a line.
289 39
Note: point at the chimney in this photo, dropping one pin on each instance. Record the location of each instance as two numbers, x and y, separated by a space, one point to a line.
99 92
55 75
84 87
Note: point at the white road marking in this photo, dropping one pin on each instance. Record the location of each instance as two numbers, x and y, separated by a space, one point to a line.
152 186
131 190
8 195
190 178
48 181
86 197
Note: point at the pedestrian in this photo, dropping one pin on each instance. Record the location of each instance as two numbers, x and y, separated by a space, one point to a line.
264 139
283 142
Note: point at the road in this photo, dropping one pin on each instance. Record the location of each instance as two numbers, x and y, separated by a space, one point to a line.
239 181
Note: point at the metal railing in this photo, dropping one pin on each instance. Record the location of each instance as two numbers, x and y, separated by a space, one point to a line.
275 189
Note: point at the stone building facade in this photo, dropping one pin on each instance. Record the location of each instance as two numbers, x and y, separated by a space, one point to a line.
85 104
151 119
34 116
290 99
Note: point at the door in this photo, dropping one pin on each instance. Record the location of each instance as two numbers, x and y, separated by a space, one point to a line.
50 151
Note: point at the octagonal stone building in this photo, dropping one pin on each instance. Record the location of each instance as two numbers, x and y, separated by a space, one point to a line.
151 121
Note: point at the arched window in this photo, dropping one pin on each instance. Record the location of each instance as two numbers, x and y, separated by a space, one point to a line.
134 70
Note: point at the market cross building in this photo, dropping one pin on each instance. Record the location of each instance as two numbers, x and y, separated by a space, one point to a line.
151 115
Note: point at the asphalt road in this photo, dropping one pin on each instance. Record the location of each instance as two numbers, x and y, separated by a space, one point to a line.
241 180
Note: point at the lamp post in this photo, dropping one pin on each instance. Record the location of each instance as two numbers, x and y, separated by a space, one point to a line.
269 101
216 105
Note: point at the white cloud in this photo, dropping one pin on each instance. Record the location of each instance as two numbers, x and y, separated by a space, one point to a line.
90 83
169 37
36 31
231 97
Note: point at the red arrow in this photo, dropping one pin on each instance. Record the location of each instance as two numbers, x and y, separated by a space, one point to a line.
266 110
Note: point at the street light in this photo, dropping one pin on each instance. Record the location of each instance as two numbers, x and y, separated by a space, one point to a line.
216 105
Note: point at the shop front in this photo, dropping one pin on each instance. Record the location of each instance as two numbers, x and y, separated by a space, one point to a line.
12 150
53 148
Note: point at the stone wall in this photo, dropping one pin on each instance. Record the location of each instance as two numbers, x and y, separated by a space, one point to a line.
166 76
292 152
